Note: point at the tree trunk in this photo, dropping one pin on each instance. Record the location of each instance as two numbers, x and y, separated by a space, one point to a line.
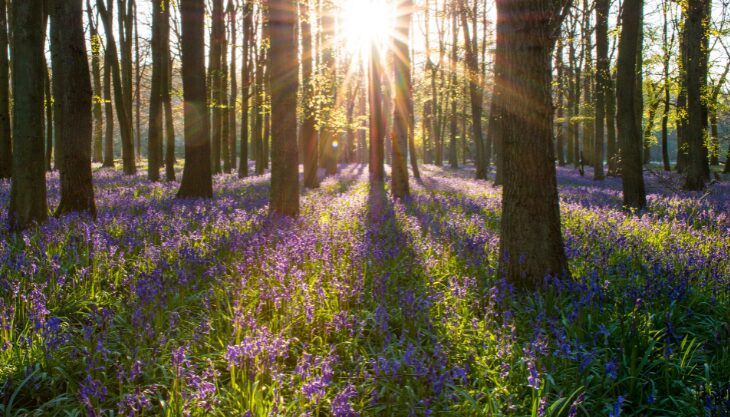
377 124
695 81
628 128
28 188
71 75
166 86
97 91
120 99
232 102
602 77
245 86
560 106
531 239
476 94
453 87
155 131
108 111
223 103
197 177
6 151
284 85
666 86
403 98
215 66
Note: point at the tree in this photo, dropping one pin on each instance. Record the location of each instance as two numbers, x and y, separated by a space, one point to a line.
217 35
531 238
197 178
6 152
629 130
166 85
284 84
96 74
120 91
28 188
245 86
155 131
232 101
377 124
695 82
72 78
308 132
403 100
476 94
602 80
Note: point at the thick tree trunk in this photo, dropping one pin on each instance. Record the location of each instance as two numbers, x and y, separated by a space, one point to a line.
602 77
284 85
403 98
28 188
377 124
49 113
695 81
6 151
628 127
197 177
531 238
71 75
120 98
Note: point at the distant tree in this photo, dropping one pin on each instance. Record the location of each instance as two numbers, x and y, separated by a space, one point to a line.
197 178
6 151
108 106
308 132
377 124
632 171
284 85
695 83
231 9
531 238
28 188
166 86
403 99
476 93
74 95
121 101
155 131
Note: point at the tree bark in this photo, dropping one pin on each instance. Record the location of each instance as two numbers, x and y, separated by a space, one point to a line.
695 81
284 85
28 187
197 177
602 77
6 151
403 98
97 91
71 75
155 130
531 238
215 66
233 100
476 94
166 86
120 98
245 86
377 124
628 127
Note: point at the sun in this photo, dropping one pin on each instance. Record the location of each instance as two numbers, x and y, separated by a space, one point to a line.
364 22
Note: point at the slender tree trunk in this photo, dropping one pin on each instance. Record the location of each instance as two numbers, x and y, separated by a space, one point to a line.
215 67
377 124
49 113
6 151
197 177
155 131
308 132
476 94
330 152
28 187
233 101
223 102
531 238
403 98
97 91
138 91
602 77
245 86
284 85
166 86
120 100
628 127
453 87
71 74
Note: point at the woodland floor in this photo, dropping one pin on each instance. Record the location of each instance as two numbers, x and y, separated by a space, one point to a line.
364 305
